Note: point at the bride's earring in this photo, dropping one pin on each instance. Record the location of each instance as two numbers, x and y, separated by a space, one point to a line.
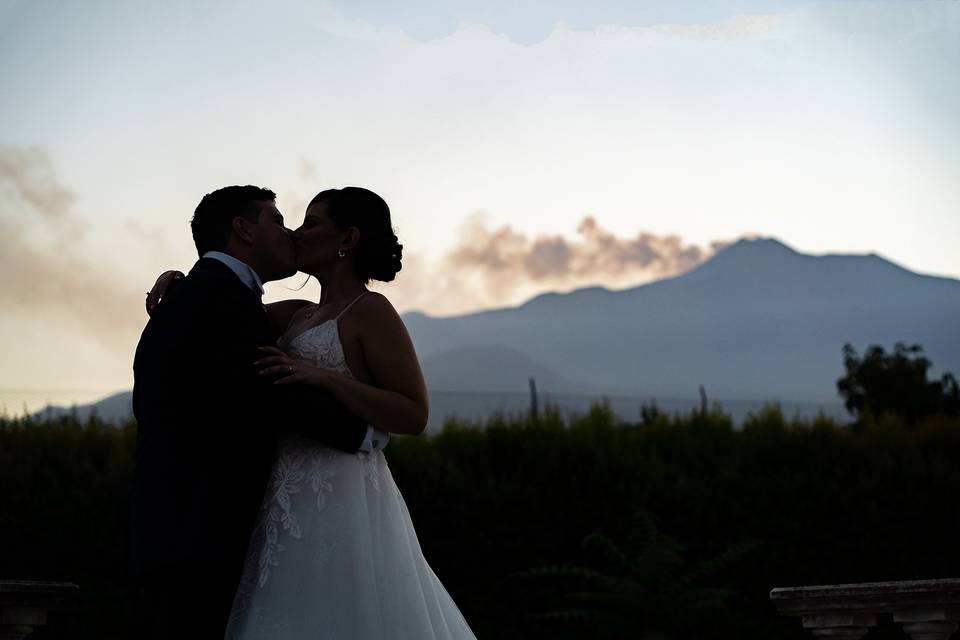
340 253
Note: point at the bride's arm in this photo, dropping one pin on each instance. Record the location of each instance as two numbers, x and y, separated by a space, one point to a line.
164 280
397 400
279 312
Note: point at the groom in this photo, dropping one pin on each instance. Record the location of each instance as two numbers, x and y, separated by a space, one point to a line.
207 422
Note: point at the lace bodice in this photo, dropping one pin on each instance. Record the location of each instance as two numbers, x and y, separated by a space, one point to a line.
320 346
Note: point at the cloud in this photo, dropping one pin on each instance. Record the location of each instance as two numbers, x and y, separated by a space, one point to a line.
46 275
308 170
50 275
501 266
26 175
505 256
537 20
734 28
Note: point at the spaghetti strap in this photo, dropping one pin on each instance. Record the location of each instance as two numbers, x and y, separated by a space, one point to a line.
351 304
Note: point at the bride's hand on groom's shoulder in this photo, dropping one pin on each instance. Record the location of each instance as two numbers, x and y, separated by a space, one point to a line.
274 363
160 288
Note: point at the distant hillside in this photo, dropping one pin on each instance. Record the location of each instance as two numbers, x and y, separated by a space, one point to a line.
758 320
115 408
492 369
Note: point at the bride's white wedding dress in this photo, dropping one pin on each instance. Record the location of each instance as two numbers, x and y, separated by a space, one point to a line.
334 553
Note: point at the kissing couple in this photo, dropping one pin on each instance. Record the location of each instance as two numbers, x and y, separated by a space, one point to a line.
262 505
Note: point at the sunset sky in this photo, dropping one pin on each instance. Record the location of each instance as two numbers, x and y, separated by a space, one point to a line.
522 146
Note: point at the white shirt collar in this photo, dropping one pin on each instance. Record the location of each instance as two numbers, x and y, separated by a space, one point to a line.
244 271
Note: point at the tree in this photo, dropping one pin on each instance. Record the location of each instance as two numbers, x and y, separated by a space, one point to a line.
896 383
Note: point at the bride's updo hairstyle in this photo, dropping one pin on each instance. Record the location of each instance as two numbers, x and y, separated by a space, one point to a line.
378 254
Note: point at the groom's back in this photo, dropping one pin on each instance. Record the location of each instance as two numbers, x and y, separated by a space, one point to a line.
202 452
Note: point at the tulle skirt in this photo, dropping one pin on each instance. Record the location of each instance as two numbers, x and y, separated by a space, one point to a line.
335 555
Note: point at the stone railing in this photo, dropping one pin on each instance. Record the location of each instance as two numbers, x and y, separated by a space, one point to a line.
926 609
24 605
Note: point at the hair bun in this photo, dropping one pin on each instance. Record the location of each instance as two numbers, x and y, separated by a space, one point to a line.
385 259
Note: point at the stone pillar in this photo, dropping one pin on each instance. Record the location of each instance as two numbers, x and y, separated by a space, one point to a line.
18 622
839 625
926 609
24 605
928 624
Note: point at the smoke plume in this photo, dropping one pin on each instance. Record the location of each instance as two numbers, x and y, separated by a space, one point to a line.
46 274
491 267
26 177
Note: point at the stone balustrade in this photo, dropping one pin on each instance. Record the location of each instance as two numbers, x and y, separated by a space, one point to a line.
24 605
925 609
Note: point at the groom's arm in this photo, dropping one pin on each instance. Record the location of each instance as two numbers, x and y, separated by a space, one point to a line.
281 407
315 415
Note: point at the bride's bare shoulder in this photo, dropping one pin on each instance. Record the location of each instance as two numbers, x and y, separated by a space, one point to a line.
376 302
375 308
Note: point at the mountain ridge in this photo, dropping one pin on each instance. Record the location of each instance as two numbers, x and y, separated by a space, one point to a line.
744 247
758 319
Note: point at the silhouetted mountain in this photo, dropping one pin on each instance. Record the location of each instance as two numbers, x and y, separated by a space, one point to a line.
758 320
115 408
492 369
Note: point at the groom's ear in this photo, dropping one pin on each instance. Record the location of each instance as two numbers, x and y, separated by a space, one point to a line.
241 229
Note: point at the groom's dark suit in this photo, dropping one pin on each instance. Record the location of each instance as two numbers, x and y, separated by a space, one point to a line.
206 436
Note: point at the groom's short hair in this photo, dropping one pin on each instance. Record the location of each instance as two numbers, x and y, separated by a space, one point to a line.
212 222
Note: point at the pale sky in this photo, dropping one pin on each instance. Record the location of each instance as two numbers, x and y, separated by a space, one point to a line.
492 129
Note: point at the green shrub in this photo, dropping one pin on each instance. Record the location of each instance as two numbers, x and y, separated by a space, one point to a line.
813 501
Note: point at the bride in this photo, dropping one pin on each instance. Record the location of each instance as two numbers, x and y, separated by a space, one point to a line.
334 553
